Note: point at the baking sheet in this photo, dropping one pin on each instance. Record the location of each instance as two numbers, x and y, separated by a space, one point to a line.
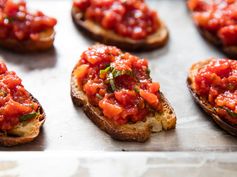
118 164
47 77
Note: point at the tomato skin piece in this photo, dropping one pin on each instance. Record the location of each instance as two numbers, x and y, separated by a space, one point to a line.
81 71
92 88
14 108
229 35
125 97
149 97
154 87
110 110
11 80
3 68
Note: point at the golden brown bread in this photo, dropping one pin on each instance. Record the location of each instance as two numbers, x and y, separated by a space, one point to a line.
93 30
24 132
203 102
45 42
139 131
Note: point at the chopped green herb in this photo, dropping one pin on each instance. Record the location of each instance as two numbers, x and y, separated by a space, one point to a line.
148 71
28 116
99 96
9 19
230 112
106 70
117 73
136 89
112 73
32 106
112 84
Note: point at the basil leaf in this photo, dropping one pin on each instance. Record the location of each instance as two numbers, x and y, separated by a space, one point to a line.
111 81
148 71
99 96
28 116
9 19
117 73
112 84
106 70
230 112
136 89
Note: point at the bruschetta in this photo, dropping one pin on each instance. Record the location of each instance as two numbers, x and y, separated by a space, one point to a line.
213 84
130 24
22 30
217 22
116 92
21 115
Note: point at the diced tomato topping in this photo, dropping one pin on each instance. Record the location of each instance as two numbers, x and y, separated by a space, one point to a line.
15 101
17 22
81 71
125 97
130 18
151 98
110 110
154 87
217 83
218 17
228 35
119 83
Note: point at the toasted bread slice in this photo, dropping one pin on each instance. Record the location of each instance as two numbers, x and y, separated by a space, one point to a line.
25 131
203 102
230 51
95 31
45 42
140 131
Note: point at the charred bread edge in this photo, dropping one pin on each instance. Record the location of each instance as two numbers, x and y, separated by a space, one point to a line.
204 104
126 43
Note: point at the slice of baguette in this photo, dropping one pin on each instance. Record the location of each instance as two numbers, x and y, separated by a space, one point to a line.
45 42
24 132
95 31
230 51
140 131
203 102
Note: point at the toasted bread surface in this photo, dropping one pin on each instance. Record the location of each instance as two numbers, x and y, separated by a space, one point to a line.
203 102
95 31
45 42
25 131
140 131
